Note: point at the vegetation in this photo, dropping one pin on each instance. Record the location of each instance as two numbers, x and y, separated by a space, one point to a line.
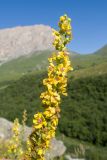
21 66
83 111
15 147
83 117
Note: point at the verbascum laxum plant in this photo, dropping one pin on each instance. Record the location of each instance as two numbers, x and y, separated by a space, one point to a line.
16 145
15 150
24 119
45 123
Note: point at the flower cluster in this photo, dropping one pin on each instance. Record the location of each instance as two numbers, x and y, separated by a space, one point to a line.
45 124
22 132
24 118
64 35
14 148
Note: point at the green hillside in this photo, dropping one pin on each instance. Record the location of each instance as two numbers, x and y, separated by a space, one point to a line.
15 69
83 111
90 60
102 51
99 69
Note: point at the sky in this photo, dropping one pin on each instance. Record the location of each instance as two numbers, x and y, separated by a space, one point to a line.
89 19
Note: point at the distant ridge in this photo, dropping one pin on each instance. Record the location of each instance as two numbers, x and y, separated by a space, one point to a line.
102 50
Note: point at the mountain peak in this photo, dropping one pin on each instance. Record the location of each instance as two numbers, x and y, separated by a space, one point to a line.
24 40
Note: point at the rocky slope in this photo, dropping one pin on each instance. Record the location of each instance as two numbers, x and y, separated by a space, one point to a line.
19 41
57 148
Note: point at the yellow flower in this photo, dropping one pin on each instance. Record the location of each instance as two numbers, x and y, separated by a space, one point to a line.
39 121
55 33
62 18
49 112
47 143
40 151
50 98
54 122
50 134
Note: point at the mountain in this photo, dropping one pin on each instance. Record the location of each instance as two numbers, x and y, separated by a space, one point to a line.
19 41
102 51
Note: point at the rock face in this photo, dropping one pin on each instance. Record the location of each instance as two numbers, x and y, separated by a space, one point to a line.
19 41
57 147
68 157
6 129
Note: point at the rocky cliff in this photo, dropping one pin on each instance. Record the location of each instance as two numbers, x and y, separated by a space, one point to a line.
19 41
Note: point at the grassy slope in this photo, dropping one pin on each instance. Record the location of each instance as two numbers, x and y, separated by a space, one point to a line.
99 69
90 60
16 68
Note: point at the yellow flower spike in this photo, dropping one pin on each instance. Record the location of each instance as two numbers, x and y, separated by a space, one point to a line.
45 123
15 147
